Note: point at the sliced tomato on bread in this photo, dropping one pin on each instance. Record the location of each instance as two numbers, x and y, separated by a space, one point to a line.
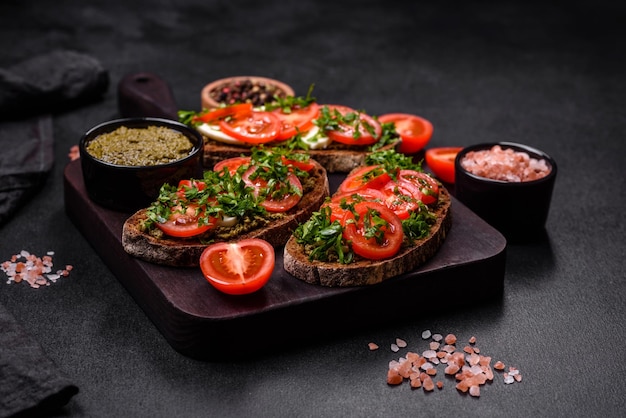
373 230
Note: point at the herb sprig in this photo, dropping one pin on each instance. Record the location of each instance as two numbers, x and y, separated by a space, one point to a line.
333 120
323 238
288 103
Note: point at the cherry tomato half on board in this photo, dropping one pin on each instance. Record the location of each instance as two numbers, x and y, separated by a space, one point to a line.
238 268
414 130
441 162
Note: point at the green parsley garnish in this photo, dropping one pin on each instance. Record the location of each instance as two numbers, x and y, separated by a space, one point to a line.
332 120
392 161
288 103
323 239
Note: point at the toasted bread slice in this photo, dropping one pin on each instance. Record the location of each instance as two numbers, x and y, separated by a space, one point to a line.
186 252
367 272
335 159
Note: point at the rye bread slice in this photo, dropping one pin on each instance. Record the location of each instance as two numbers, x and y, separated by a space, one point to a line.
337 159
367 272
186 252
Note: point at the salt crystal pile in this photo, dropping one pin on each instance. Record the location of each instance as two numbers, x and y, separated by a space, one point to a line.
470 369
36 271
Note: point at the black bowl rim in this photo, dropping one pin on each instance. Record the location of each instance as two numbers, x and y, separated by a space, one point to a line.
514 145
138 122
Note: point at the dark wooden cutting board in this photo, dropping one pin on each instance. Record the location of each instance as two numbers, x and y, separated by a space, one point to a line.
200 322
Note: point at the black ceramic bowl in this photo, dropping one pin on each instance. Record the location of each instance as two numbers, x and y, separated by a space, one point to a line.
126 187
518 210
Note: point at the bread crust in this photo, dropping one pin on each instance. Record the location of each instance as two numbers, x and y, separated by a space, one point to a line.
368 272
186 253
334 160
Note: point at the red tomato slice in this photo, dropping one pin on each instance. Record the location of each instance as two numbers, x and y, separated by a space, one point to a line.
231 164
186 224
355 231
414 130
200 185
441 162
304 165
338 200
346 132
402 198
370 177
213 116
281 203
427 186
298 120
185 185
238 268
253 128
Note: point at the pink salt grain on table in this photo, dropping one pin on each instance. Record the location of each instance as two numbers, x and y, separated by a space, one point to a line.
31 269
470 370
501 164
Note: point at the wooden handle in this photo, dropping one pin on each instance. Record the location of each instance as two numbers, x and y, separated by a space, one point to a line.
146 95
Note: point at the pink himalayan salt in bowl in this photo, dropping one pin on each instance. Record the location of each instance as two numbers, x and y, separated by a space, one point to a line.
507 164
509 185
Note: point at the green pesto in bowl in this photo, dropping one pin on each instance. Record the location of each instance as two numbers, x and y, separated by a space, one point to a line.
145 146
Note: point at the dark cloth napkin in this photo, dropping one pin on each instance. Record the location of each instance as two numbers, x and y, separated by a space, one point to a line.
30 92
31 385
26 159
50 83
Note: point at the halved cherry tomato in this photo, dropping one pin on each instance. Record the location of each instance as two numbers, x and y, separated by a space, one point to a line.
253 128
231 164
342 199
372 216
276 201
347 132
298 120
414 130
426 185
372 177
214 115
238 268
441 162
186 224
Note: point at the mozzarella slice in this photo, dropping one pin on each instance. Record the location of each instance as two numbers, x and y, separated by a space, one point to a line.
228 221
314 140
215 133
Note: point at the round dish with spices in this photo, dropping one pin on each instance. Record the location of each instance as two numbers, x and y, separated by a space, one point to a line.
255 90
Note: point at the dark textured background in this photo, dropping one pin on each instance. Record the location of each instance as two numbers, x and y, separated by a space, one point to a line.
550 75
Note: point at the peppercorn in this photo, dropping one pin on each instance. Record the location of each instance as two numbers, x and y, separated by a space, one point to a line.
247 91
